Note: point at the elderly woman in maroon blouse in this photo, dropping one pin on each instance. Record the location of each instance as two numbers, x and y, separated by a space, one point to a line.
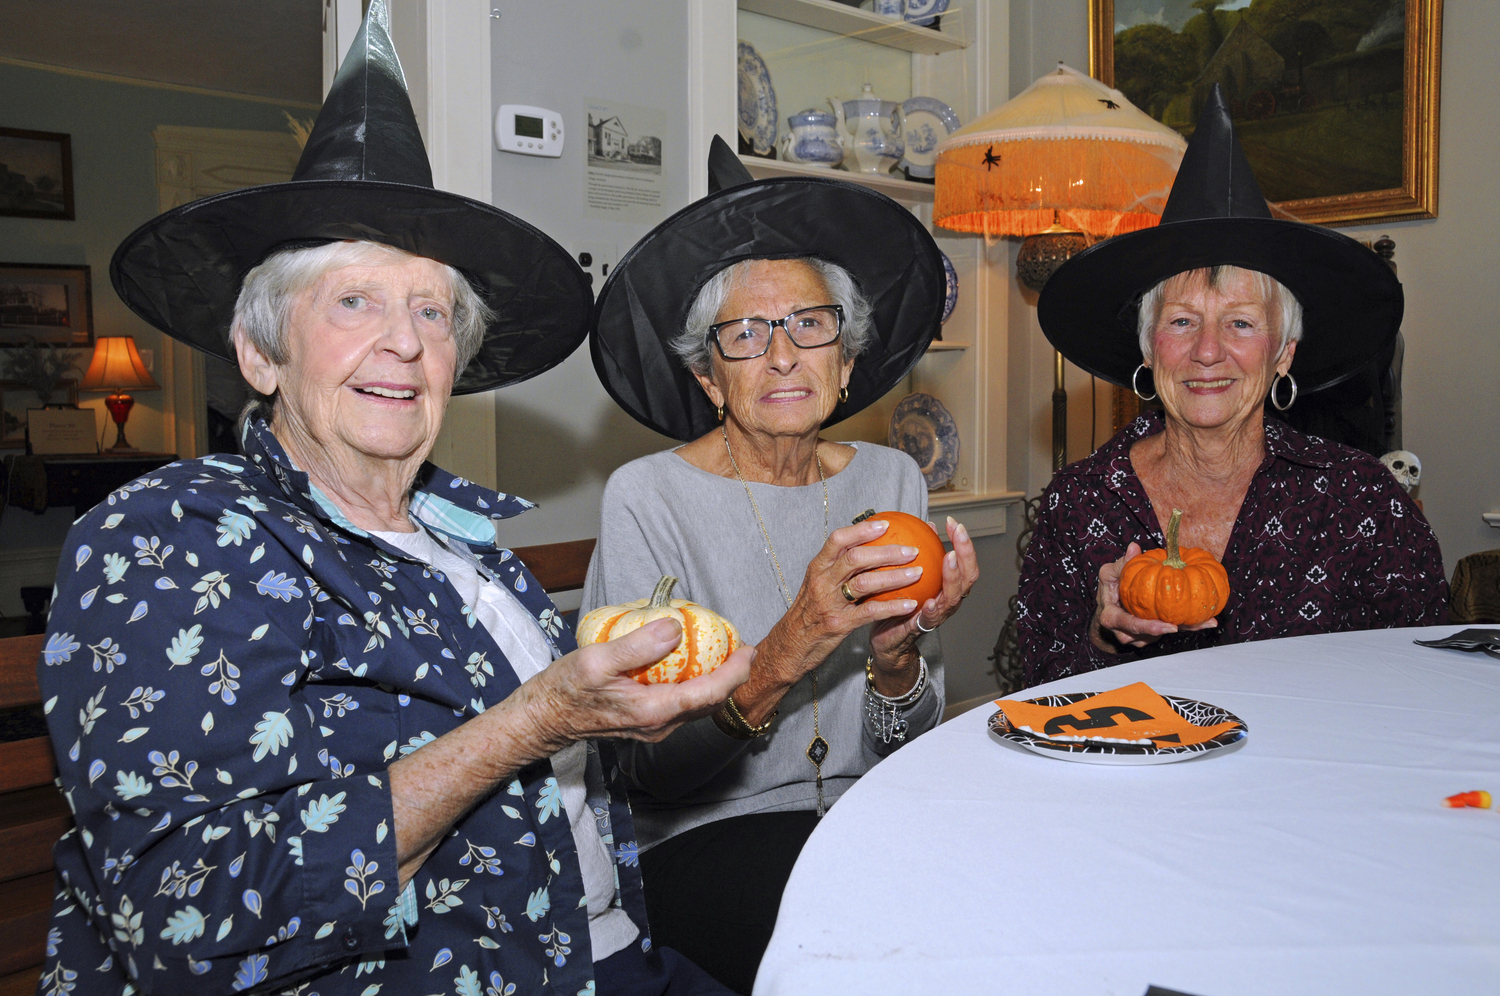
1230 307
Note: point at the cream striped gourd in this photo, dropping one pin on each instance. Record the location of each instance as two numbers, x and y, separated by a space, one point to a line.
707 637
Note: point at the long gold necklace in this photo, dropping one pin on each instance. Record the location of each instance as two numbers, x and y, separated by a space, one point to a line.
817 748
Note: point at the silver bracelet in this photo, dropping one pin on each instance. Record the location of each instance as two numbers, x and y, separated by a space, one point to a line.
884 712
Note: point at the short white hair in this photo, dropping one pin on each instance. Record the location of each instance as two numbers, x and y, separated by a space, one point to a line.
1281 305
264 308
692 346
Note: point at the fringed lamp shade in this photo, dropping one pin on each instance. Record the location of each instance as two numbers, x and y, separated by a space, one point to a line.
1068 150
117 367
1064 157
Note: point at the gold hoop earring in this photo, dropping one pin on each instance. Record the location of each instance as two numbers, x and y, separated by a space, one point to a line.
721 413
843 395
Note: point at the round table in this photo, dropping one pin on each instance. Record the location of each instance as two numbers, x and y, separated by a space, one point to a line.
1316 857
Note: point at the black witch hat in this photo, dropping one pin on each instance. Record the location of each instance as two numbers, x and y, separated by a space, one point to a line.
364 175
644 303
1216 215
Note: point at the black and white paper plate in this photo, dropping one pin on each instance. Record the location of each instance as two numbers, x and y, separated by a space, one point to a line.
1100 752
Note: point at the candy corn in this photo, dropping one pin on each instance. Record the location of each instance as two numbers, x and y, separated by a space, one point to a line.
1477 800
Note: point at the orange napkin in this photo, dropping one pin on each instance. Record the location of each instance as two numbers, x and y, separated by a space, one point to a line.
1131 714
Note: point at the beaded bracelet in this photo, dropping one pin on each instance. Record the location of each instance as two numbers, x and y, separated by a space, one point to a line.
884 712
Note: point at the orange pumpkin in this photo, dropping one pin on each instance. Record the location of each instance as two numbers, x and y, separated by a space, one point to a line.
707 638
908 530
1183 587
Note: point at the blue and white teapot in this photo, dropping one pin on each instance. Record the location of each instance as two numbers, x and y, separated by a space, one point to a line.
814 139
876 128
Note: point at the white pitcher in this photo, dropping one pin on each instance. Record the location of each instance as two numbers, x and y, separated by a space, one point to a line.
875 127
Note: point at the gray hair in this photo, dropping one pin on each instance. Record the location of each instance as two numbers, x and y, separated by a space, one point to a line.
692 346
1281 305
264 308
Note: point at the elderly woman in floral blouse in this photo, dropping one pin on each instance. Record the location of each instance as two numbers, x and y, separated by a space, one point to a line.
319 733
1230 306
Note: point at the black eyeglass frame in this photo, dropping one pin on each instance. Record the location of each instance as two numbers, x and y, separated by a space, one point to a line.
713 330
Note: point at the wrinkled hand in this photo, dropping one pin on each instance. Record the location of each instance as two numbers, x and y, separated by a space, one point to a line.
895 640
821 610
1111 617
589 693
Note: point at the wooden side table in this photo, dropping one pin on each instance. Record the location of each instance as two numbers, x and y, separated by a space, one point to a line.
84 481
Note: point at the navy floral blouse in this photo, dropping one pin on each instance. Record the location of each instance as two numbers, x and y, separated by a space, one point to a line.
231 668
1326 541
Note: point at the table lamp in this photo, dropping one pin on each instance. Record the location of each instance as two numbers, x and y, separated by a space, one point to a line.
1066 161
117 368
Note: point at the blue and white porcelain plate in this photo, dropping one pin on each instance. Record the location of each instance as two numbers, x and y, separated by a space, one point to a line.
928 122
1103 752
950 299
924 12
757 100
922 429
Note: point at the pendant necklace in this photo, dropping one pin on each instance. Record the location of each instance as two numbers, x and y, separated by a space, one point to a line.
817 749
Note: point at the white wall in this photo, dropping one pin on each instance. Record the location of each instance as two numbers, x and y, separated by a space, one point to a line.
1451 407
559 435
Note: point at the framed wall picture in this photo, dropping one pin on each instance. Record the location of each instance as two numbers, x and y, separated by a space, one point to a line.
1334 101
17 400
47 302
36 174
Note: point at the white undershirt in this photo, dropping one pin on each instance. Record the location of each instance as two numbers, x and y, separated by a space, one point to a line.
521 640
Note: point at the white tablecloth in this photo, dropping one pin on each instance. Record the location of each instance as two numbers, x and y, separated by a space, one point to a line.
1316 858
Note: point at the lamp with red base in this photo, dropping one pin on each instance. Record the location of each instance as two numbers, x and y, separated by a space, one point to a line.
117 368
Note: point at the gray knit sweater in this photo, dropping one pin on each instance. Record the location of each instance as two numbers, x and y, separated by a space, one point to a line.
661 515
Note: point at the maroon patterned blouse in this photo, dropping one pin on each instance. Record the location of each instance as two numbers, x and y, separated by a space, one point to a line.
1325 542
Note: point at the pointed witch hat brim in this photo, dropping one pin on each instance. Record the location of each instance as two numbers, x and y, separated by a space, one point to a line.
644 303
364 175
1352 302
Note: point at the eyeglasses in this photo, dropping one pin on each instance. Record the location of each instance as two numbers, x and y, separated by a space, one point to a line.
747 338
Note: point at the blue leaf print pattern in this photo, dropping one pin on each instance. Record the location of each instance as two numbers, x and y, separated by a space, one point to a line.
278 586
81 557
234 528
251 899
252 972
184 925
443 957
59 649
138 613
467 982
114 567
537 904
549 801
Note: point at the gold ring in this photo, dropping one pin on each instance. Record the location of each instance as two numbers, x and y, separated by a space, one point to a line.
848 594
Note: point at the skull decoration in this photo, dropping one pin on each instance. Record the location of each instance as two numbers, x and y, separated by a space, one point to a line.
1405 465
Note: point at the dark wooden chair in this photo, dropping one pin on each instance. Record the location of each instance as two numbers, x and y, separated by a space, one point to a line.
33 813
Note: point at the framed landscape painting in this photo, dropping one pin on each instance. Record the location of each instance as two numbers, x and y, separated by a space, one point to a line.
36 174
1334 101
45 302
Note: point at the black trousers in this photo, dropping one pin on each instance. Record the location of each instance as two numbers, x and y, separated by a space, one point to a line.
712 892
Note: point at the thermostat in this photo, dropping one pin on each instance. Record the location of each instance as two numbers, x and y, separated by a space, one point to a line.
530 131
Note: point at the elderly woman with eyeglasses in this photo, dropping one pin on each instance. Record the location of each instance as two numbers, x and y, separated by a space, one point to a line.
753 515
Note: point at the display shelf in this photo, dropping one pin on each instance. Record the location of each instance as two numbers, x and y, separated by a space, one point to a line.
852 22
905 191
981 514
939 346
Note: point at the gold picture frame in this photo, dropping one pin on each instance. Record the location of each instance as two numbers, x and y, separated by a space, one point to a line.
1416 196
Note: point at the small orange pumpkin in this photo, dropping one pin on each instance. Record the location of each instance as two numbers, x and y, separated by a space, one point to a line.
1184 587
707 638
908 530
